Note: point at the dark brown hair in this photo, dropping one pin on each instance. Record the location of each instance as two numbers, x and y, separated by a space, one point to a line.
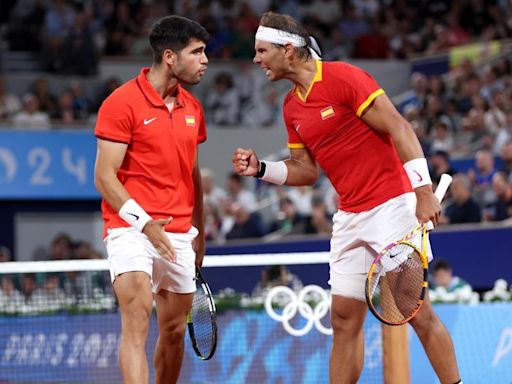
288 24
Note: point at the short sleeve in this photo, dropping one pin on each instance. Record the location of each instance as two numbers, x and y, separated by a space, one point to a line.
294 140
114 122
201 133
361 89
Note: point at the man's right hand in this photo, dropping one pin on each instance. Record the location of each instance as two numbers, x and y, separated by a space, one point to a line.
245 162
154 230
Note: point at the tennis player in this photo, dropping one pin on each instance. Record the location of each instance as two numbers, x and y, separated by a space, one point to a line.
147 172
339 117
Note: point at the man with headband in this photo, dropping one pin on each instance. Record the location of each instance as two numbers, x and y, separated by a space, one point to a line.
339 117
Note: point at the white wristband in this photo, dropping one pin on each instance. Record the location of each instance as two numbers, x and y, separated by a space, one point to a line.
133 214
275 172
417 171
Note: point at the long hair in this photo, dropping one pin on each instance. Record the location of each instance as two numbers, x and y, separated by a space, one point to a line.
174 33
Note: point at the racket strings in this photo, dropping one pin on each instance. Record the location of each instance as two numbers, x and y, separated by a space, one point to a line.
202 322
397 286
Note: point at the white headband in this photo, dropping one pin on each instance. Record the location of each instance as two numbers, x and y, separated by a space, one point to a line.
277 36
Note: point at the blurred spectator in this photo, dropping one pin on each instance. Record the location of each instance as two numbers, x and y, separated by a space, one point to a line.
50 296
277 276
223 101
10 104
61 247
321 221
239 193
10 297
495 118
464 208
212 193
269 107
31 117
417 95
506 156
481 177
373 44
501 209
440 163
82 250
246 224
442 276
64 112
120 29
81 103
47 101
78 54
288 221
28 286
59 22
212 222
5 254
443 139
301 198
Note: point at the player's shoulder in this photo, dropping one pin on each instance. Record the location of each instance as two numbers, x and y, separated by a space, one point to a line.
122 95
188 97
341 69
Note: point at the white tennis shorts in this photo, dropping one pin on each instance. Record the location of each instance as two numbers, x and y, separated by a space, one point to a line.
130 250
358 237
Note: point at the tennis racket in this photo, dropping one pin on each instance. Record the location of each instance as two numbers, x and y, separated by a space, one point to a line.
398 277
202 320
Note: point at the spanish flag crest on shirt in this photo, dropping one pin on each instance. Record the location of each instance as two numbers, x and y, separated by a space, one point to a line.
327 112
190 120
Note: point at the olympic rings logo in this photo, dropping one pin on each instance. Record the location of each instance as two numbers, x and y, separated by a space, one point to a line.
297 303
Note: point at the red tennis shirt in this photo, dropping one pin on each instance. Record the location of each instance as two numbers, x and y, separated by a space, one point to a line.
361 163
162 148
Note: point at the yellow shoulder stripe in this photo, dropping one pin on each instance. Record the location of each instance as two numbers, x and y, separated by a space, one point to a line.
295 145
368 101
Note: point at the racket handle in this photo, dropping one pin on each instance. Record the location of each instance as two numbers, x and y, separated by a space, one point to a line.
441 190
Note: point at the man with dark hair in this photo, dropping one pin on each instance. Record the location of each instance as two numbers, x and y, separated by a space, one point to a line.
442 276
148 131
337 115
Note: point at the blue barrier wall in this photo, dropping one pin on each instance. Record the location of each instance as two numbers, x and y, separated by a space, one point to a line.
252 348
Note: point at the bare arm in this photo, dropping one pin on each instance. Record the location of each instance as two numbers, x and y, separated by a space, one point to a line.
109 158
302 169
198 214
383 117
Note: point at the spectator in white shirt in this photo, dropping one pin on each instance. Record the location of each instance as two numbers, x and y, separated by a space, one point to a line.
31 117
9 103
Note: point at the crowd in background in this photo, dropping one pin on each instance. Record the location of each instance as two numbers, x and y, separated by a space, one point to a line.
468 114
34 292
71 35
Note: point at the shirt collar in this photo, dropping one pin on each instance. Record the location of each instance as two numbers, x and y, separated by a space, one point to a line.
152 95
316 79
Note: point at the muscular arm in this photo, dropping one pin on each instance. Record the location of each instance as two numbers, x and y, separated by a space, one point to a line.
198 214
302 169
382 116
109 157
